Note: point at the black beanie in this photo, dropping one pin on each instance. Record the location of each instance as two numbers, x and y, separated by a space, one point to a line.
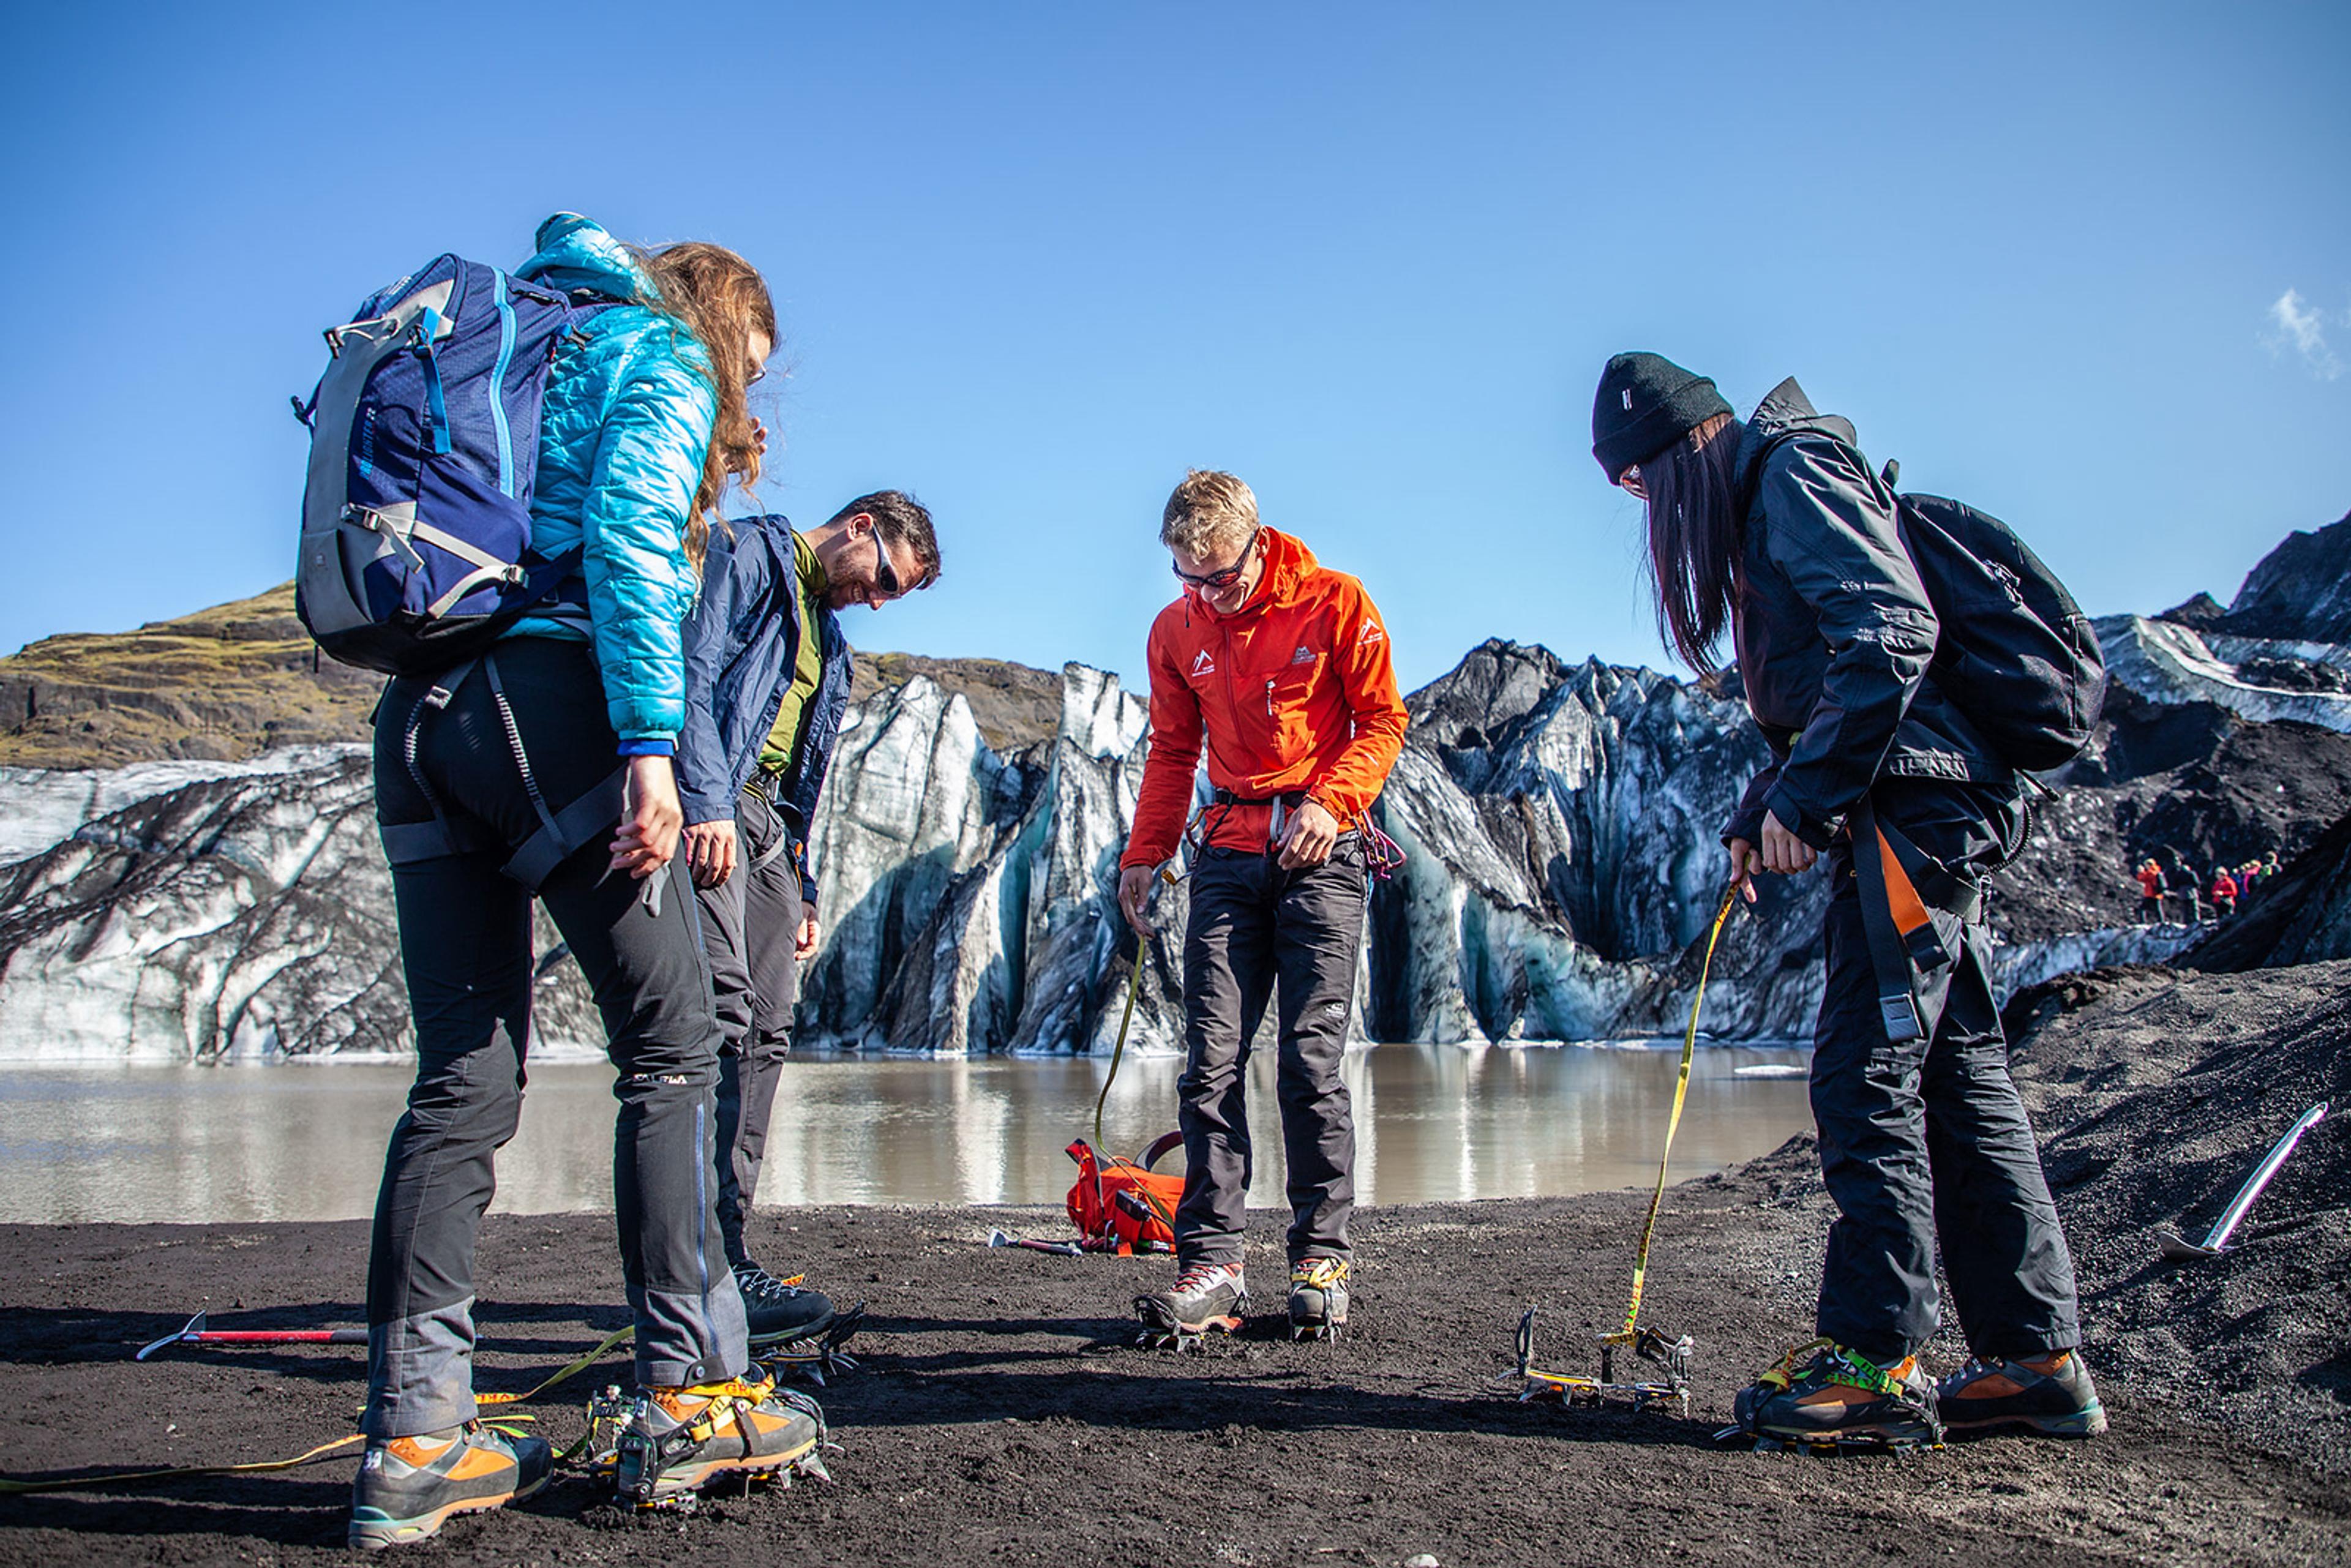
1645 403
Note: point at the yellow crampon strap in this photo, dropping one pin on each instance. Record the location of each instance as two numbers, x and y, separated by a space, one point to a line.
503 1423
616 1337
261 1467
1784 1373
1681 1093
722 1401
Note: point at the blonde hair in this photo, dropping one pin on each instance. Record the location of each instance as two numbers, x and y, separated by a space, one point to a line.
1210 511
720 299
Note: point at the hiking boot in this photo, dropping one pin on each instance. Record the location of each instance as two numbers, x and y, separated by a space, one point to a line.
2049 1393
1204 1296
408 1487
681 1440
1318 1298
779 1311
1823 1394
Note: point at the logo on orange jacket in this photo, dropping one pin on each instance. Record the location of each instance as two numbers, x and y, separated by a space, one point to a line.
1204 665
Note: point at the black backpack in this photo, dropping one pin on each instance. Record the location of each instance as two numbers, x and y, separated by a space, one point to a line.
2015 654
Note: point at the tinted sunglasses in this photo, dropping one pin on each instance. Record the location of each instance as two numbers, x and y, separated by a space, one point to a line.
1216 581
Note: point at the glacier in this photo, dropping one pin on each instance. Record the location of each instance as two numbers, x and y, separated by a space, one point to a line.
1560 820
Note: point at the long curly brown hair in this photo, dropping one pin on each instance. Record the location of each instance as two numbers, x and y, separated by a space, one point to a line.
721 301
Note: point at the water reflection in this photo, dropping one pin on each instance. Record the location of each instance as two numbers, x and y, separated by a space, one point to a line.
298 1142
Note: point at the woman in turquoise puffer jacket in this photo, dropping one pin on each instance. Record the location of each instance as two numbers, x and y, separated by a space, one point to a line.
546 768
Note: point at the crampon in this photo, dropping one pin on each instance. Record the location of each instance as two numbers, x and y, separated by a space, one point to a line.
750 1433
1823 1398
1670 1357
815 1357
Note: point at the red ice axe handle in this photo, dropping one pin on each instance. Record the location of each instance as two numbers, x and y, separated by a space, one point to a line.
196 1332
1060 1249
278 1336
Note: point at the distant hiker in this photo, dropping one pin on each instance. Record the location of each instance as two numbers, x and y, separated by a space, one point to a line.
2224 893
767 680
1779 532
1281 668
2150 892
545 766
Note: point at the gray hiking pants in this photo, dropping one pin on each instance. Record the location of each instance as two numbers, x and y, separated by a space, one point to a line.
751 923
466 948
1259 933
1927 1141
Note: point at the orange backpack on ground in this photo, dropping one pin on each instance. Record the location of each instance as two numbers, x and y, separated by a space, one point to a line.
1123 1203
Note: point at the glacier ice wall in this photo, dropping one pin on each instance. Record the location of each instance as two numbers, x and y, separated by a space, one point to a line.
1560 822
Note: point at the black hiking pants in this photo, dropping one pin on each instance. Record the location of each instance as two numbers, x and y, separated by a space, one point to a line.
1259 933
465 946
1927 1141
750 925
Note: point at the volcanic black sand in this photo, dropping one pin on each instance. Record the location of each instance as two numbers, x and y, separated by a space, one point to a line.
1000 1416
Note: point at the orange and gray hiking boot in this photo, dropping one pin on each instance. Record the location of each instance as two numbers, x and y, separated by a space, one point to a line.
1823 1396
408 1487
1318 1298
681 1440
1204 1296
2049 1393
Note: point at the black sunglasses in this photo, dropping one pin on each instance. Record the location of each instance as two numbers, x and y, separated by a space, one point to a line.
885 576
1215 581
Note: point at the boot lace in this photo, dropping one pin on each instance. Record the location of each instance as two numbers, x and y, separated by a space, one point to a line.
756 1284
1201 1278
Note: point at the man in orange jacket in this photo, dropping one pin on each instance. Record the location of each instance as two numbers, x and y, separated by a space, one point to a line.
1281 667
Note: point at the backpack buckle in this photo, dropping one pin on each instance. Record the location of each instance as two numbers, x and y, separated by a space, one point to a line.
1900 1014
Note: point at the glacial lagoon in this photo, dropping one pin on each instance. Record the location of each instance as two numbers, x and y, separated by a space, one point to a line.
305 1140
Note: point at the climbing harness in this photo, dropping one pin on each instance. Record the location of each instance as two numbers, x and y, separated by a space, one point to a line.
1382 856
1670 1355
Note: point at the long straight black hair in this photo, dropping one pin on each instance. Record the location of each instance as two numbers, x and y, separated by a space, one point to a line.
1694 540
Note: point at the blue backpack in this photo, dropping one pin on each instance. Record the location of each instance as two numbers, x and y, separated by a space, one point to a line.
424 440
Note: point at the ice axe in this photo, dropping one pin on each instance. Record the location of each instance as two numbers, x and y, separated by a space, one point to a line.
1059 1249
197 1333
2175 1247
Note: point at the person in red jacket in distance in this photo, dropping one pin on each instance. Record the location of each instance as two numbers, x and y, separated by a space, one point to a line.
1281 668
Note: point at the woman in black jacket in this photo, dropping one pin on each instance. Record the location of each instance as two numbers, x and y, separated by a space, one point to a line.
1777 531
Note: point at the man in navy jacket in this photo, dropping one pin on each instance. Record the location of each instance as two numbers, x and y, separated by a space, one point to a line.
767 679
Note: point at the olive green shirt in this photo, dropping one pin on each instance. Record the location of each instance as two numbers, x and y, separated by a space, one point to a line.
790 728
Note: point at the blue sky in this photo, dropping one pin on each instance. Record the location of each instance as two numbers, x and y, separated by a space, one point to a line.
2086 266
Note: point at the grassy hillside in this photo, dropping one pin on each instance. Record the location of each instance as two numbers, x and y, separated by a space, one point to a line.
223 682
235 679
